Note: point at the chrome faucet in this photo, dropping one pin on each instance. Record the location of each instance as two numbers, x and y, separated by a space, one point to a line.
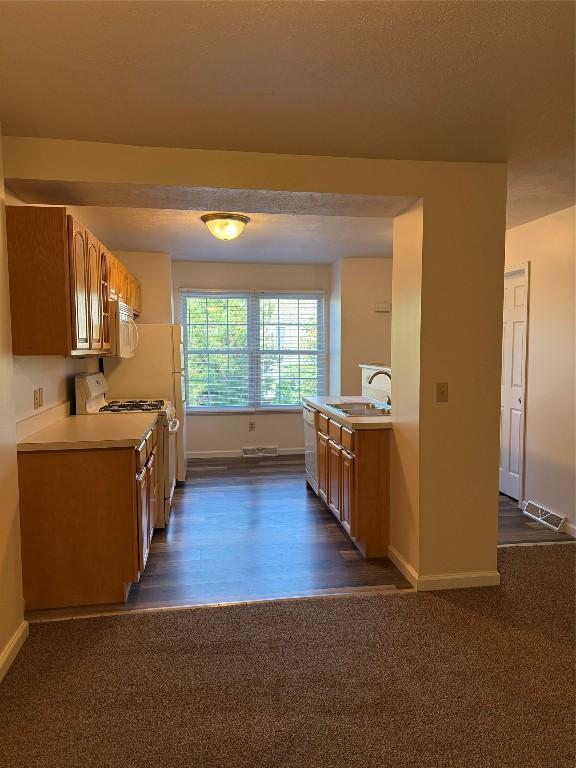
377 373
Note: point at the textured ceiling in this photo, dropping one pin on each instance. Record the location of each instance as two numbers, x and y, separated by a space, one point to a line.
268 238
479 81
206 199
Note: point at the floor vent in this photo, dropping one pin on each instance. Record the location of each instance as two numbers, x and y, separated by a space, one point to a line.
268 450
542 515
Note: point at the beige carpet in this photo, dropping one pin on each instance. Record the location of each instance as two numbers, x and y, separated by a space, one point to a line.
472 678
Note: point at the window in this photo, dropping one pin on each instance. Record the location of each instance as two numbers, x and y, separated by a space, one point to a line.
252 350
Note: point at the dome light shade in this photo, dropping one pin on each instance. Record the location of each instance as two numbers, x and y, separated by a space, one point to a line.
225 226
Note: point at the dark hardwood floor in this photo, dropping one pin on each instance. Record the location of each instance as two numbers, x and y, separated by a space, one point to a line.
516 528
250 529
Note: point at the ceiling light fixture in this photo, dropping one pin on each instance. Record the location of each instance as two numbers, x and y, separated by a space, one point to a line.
225 226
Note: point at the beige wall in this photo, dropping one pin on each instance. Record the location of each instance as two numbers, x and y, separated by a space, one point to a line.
550 460
358 334
335 317
56 376
227 433
462 266
365 333
12 626
154 270
405 440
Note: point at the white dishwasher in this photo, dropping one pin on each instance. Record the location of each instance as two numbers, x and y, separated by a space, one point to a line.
310 455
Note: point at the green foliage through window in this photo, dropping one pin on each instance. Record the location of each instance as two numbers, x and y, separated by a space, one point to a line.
253 350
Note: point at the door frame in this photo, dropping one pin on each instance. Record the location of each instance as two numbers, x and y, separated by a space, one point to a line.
513 270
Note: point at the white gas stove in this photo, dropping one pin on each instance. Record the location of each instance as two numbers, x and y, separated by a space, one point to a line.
91 389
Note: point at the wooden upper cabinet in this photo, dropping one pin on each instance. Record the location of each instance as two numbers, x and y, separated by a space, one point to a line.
61 280
95 291
104 258
136 296
124 286
39 280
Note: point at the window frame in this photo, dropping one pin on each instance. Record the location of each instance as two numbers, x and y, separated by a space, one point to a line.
255 351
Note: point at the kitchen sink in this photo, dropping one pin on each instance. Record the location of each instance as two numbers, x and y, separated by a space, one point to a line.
362 409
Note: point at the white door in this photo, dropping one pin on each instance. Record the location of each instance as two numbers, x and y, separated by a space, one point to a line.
513 380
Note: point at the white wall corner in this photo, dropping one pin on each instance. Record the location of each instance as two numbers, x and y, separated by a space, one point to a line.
13 646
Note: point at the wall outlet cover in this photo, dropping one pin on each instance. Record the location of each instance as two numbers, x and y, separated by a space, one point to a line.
442 392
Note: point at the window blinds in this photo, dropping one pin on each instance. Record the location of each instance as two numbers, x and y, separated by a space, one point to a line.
252 350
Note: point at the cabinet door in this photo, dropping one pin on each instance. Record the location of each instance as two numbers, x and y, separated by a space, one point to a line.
79 285
152 480
347 505
322 448
105 297
334 477
95 288
137 298
142 512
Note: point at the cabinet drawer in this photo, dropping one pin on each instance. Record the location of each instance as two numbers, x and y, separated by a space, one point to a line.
348 438
323 423
334 431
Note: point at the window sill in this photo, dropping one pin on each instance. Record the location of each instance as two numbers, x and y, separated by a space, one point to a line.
237 411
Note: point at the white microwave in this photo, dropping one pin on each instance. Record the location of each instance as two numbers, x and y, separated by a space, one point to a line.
124 331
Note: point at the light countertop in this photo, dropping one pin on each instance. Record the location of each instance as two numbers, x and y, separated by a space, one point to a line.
324 404
101 430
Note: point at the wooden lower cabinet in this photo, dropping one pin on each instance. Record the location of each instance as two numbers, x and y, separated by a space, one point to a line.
87 519
142 511
152 491
323 466
353 480
347 500
334 476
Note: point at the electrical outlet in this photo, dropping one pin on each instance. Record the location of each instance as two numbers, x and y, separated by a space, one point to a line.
442 392
251 426
36 399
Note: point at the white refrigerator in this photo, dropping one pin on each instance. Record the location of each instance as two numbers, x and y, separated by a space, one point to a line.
155 371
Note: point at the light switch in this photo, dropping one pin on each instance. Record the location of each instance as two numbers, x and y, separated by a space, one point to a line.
442 392
36 399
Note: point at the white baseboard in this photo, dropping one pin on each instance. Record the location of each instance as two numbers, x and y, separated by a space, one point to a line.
442 580
458 580
237 453
570 528
11 649
403 566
